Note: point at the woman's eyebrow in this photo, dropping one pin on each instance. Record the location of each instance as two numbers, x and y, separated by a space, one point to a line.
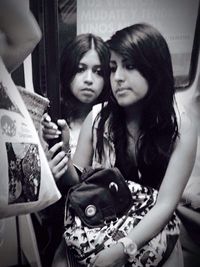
97 66
84 65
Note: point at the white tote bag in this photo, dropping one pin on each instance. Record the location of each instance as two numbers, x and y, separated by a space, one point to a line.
26 182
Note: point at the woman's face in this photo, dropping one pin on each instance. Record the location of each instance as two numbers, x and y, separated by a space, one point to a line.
128 85
88 82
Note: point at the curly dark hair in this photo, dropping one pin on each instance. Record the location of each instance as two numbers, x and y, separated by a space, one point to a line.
147 49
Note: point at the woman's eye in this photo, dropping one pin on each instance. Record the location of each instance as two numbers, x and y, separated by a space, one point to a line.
80 69
98 71
113 68
130 67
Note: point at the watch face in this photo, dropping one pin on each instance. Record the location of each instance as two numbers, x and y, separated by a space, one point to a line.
131 249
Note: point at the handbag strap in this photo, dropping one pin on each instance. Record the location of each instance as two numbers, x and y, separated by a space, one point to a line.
114 232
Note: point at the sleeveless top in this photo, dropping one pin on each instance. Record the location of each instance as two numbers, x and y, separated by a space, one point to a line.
147 175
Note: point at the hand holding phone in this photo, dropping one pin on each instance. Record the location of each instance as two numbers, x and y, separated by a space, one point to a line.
55 132
50 129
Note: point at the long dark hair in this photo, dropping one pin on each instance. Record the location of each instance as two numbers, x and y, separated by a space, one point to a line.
146 48
70 58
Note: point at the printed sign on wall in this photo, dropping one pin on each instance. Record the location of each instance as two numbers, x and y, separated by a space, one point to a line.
175 19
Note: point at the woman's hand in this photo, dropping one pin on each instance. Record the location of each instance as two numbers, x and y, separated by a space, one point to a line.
110 257
59 154
57 163
49 129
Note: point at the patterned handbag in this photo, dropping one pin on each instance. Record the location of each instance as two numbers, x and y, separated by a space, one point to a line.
85 239
102 196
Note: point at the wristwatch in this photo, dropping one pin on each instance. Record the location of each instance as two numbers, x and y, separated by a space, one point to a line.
130 247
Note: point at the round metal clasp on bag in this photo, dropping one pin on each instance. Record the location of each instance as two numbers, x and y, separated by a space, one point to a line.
90 210
113 187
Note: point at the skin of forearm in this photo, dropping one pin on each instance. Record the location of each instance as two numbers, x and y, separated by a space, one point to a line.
15 55
71 174
68 179
152 223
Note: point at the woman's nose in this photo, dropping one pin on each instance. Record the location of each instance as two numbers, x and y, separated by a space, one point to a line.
88 77
119 75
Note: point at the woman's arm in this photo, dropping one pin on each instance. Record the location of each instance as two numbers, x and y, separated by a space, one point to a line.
84 150
19 32
178 172
61 164
176 177
83 154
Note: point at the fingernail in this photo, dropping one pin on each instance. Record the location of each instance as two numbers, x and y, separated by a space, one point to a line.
47 118
65 159
61 121
58 132
54 126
